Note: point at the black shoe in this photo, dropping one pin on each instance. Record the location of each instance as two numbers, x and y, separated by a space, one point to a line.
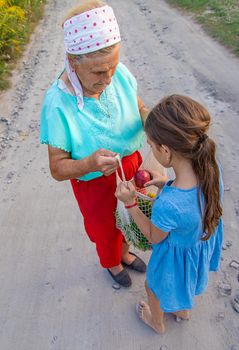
122 278
137 265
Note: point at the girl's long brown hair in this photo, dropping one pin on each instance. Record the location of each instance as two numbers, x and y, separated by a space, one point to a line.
181 123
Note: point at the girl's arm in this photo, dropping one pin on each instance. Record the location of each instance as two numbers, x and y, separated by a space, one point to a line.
151 232
126 193
157 180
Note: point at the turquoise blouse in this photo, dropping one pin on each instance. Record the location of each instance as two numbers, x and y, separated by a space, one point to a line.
113 122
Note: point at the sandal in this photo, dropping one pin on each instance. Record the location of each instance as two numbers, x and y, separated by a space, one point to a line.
122 278
137 265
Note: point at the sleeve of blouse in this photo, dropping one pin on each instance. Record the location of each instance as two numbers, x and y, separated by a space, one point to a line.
164 215
54 129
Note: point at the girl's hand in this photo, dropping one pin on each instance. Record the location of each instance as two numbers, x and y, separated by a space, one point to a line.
158 180
125 192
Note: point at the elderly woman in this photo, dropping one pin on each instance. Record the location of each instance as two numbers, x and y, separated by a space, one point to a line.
91 113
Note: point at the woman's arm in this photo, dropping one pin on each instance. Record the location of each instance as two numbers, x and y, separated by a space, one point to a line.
144 111
62 167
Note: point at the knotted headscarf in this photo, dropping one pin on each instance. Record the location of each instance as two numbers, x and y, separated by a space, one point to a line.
88 32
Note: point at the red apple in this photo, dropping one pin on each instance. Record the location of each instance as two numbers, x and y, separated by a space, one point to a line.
141 177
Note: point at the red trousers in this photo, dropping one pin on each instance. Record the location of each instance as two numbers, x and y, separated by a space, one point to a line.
97 203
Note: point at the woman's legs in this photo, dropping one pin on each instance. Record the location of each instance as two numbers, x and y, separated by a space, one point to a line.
151 313
98 203
126 257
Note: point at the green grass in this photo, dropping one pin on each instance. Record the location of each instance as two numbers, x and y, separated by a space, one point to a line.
17 21
220 18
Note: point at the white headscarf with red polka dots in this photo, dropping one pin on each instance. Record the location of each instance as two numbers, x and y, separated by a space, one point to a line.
88 32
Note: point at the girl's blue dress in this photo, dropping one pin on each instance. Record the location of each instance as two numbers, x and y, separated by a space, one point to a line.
179 265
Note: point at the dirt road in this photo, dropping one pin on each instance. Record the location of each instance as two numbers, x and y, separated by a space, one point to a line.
53 293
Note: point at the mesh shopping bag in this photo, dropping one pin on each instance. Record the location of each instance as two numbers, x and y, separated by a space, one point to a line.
145 198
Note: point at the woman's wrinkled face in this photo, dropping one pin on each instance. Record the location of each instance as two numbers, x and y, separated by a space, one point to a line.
95 71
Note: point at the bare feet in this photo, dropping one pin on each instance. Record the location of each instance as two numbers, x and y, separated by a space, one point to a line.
183 314
145 315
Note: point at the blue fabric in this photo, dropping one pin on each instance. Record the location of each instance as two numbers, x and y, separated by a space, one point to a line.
113 122
179 265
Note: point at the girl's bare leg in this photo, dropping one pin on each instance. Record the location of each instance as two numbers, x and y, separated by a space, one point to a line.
184 314
150 313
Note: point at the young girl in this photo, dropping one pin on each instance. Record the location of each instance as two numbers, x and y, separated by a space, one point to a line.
186 226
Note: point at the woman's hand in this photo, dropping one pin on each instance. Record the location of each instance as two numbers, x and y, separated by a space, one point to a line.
125 192
64 168
104 161
158 180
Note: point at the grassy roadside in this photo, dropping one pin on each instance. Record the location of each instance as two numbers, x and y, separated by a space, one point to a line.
17 21
220 18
